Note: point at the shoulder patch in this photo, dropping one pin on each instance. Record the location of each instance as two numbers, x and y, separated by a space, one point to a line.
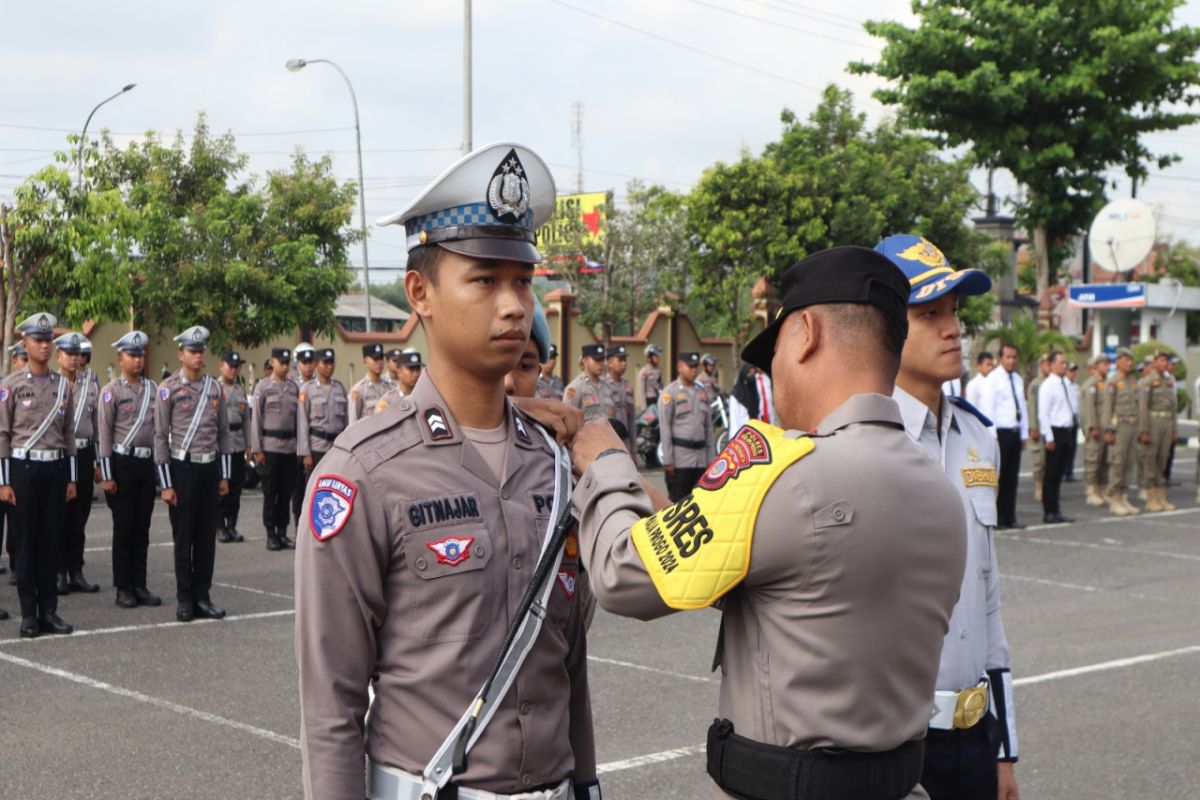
962 403
570 392
330 507
3 393
354 394
164 393
107 396
567 580
302 397
746 448
665 397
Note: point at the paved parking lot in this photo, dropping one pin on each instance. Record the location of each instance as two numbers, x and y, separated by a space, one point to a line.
1102 616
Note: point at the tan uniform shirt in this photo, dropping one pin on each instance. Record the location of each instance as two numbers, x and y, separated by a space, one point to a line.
685 426
833 637
1157 399
1035 386
594 398
1120 401
390 398
324 409
237 407
650 383
174 412
25 402
364 395
85 397
626 410
709 383
423 562
1091 404
121 404
273 421
550 388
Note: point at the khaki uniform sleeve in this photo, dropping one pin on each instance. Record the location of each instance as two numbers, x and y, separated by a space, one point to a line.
355 405
583 739
1144 406
105 417
340 603
256 422
1087 406
302 410
162 438
1109 407
609 499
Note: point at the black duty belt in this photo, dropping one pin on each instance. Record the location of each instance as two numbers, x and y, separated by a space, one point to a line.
326 435
751 770
279 434
235 427
691 444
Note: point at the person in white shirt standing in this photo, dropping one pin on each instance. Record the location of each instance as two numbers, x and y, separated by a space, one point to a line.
1003 402
1058 423
984 363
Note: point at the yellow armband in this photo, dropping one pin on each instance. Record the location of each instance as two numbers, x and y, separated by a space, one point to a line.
698 549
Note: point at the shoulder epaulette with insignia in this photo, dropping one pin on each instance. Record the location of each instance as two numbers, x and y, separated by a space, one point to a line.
962 403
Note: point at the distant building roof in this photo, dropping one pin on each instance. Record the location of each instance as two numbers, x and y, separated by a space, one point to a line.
354 306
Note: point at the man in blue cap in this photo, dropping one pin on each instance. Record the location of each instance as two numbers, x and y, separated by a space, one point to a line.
972 741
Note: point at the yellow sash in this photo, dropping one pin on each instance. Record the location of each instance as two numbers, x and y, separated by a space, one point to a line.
699 548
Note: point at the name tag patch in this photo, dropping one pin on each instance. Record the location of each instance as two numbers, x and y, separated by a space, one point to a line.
329 510
437 510
979 476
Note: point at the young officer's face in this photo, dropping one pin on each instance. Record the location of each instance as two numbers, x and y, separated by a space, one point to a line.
933 349
521 381
478 309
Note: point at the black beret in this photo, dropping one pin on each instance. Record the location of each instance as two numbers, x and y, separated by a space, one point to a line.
689 357
281 353
592 351
232 359
846 274
373 350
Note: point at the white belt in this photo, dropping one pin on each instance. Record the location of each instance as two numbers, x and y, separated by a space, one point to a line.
80 444
195 458
389 783
135 452
948 705
36 455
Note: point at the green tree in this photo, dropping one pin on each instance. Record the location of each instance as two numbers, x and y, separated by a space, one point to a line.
1031 342
1055 91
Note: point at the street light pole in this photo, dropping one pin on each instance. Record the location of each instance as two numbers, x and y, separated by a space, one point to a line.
297 64
466 143
83 135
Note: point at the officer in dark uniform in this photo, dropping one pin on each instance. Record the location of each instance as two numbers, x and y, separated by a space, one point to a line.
273 442
37 471
84 394
125 449
237 406
192 454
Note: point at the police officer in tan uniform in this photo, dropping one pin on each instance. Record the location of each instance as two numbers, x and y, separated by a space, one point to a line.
17 359
426 522
549 385
84 395
1156 430
707 377
589 392
835 589
685 427
622 392
1091 420
273 442
193 456
37 472
366 394
408 372
125 448
650 376
324 413
237 408
1120 417
306 370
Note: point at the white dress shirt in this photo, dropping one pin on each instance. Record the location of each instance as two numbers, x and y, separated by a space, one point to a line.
1003 401
953 387
1054 406
975 390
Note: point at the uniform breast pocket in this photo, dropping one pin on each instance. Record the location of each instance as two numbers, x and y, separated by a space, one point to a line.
319 408
683 408
983 502
452 598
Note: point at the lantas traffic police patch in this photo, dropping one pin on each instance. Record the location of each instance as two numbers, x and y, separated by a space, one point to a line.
330 507
747 448
453 550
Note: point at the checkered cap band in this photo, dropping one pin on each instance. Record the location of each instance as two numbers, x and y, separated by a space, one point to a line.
470 214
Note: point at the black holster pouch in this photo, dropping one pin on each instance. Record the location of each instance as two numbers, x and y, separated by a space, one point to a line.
751 770
690 444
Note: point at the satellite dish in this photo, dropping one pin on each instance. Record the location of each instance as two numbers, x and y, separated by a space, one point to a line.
1122 235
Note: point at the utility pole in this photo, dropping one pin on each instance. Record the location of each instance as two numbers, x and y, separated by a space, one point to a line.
577 143
466 143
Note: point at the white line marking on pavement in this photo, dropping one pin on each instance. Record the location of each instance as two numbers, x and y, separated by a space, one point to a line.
1105 666
648 759
186 711
252 590
1045 582
1094 546
1102 521
151 627
655 670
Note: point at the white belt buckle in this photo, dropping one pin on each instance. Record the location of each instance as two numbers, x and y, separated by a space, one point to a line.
80 444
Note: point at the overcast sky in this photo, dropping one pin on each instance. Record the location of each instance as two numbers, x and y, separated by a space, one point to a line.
667 87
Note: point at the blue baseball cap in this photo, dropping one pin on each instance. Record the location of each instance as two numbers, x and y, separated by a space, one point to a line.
929 273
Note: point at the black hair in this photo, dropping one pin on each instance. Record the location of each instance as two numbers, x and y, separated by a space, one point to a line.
984 356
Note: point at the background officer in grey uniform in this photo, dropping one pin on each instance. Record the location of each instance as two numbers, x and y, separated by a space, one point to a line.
685 427
589 392
323 414
969 756
37 472
306 370
192 455
237 409
830 640
84 394
125 447
273 442
622 391
17 359
549 385
650 376
426 523
365 394
408 372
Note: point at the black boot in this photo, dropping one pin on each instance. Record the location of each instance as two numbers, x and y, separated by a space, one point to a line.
3 614
273 543
51 622
206 609
30 628
223 535
125 599
80 584
144 598
288 544
234 536
63 587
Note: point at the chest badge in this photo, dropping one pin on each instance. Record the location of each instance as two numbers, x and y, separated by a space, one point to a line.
972 454
453 550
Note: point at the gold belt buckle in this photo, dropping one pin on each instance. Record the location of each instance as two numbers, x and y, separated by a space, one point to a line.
972 705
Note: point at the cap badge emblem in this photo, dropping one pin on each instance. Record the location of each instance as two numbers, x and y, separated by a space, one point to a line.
43 322
508 192
972 453
925 253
